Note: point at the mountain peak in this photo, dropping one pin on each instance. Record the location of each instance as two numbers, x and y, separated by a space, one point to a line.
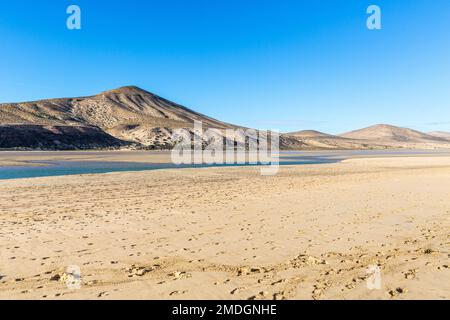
389 133
384 126
128 90
309 134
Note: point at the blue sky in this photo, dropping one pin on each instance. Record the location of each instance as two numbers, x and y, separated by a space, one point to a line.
286 65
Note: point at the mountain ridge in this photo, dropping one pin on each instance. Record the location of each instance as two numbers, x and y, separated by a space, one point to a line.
440 134
128 113
131 117
394 136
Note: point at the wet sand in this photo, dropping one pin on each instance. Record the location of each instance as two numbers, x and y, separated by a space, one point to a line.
20 158
309 232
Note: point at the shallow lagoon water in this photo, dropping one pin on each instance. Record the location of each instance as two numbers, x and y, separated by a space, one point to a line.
64 168
42 168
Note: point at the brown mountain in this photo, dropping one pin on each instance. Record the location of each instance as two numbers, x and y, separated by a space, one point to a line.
393 136
130 117
125 116
440 134
313 139
311 134
57 137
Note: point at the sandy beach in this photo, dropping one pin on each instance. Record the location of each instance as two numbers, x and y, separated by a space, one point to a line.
310 232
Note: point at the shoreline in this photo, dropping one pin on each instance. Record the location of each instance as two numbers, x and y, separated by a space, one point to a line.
54 163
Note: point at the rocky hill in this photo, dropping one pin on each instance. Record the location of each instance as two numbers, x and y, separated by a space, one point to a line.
130 117
393 136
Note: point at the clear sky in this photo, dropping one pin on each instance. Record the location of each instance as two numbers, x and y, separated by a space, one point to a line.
274 64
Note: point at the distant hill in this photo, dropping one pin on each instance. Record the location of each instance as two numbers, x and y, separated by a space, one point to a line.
313 139
393 136
440 134
311 134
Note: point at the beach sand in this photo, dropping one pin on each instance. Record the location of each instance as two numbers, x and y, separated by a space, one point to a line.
310 232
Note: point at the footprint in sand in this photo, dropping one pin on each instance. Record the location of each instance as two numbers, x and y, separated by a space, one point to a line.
411 274
397 292
103 294
237 290
263 295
